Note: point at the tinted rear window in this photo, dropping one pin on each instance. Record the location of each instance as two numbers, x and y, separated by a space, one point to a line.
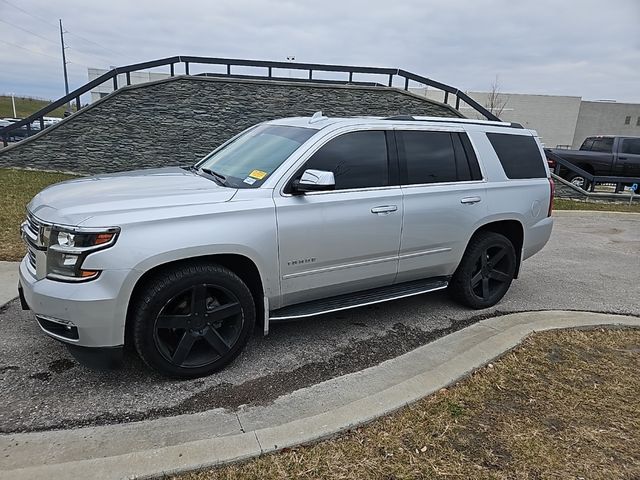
631 145
436 157
598 144
430 157
519 155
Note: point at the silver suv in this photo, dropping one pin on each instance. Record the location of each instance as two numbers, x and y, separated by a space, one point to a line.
289 219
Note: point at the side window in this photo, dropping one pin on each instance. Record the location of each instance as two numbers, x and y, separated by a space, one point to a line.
519 155
604 144
469 156
434 157
587 144
357 160
631 145
429 157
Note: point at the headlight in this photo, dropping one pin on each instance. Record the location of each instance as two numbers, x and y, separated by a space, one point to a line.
68 247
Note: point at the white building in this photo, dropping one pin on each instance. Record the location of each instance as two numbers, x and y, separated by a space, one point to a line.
561 121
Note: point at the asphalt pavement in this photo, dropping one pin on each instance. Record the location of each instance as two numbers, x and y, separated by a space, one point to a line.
591 263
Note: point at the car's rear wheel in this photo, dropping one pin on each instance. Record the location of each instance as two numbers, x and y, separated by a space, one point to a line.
192 321
579 181
485 272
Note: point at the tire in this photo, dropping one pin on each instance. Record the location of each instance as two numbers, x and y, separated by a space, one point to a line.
579 181
485 272
192 321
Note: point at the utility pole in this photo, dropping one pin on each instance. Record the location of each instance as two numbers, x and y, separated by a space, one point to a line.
64 67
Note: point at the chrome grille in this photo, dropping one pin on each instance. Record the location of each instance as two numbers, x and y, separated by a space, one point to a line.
33 225
32 236
32 257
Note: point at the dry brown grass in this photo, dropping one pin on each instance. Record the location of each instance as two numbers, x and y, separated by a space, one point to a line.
565 404
17 188
565 204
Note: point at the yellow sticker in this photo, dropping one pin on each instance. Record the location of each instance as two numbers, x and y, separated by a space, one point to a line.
259 174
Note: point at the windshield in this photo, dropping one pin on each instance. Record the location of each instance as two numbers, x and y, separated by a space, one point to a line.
249 160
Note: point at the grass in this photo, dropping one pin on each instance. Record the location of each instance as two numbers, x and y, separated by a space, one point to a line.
26 106
562 405
564 204
18 187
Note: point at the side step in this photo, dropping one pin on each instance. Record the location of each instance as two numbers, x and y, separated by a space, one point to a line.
358 299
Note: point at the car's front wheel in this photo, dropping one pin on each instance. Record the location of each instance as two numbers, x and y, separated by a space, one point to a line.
192 321
485 272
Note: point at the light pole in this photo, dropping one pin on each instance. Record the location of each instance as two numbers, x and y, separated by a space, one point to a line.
64 67
13 102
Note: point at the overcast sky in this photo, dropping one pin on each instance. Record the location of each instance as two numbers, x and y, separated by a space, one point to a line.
565 47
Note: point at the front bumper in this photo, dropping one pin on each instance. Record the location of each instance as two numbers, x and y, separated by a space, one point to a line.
89 314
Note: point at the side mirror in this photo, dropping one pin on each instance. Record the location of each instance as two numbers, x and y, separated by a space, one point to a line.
314 181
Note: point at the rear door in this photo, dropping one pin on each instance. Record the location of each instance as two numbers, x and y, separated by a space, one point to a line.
629 157
443 197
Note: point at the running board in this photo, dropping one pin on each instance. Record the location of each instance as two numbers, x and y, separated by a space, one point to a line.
358 299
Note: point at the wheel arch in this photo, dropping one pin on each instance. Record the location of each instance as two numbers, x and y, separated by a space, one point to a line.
243 266
510 228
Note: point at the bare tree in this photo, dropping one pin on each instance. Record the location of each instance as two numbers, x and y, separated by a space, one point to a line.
496 102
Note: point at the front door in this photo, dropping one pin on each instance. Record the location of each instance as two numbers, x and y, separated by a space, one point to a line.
345 240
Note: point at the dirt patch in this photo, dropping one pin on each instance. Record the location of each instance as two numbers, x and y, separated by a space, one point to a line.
62 365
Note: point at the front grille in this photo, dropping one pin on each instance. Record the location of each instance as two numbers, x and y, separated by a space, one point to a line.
33 225
32 230
32 257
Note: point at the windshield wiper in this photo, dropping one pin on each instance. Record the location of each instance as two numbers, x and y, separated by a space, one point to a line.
221 179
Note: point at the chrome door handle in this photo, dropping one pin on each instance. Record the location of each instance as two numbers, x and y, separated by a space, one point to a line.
470 200
384 209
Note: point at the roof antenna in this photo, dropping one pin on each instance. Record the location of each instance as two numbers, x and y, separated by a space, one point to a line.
317 117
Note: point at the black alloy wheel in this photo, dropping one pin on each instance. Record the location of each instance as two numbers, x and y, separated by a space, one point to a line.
485 272
192 321
491 272
198 326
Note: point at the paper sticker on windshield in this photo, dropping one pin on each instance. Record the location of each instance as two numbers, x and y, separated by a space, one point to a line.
249 180
259 174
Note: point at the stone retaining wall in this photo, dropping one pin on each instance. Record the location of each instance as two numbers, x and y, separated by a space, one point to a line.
179 120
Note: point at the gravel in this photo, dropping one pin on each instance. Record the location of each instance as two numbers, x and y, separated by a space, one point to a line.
592 262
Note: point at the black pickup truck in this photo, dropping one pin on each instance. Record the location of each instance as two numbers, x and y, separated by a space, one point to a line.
603 155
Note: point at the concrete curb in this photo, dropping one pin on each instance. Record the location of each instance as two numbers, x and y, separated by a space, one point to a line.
8 281
150 448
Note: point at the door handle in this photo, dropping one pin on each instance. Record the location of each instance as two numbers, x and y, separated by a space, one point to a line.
470 200
384 209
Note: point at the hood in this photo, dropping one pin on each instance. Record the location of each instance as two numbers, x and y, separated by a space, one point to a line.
75 201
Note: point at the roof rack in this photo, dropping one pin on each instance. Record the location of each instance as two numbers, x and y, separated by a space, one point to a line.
411 118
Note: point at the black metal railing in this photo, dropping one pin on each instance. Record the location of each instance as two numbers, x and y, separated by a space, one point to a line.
23 127
592 179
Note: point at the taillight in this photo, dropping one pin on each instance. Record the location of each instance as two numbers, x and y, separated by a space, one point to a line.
551 163
552 192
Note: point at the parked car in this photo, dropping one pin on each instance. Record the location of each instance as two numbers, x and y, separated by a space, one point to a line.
603 155
291 218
